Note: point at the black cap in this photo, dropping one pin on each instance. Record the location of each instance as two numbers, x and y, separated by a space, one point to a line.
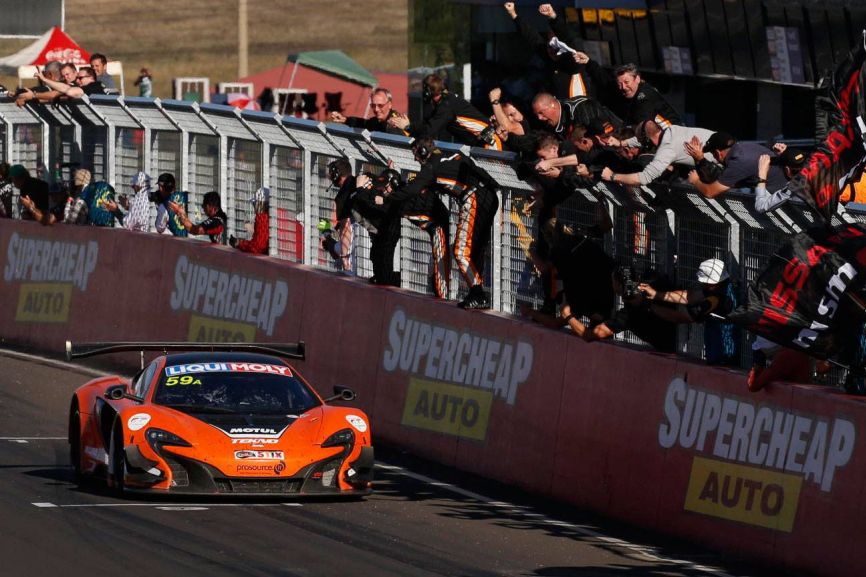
166 177
719 141
792 158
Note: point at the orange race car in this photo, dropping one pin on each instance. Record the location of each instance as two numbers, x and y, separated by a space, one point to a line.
218 419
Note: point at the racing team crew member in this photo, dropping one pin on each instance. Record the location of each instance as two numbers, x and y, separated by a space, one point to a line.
475 192
383 110
427 211
382 221
340 175
216 223
564 116
448 112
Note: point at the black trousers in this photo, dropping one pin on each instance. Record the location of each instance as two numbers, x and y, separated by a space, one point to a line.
382 246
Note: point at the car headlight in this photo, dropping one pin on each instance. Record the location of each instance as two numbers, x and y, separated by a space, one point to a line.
341 437
158 438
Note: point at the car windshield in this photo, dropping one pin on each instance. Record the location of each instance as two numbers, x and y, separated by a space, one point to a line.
227 387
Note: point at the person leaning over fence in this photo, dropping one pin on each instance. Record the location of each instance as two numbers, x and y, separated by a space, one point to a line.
42 93
33 194
100 199
340 175
216 223
710 304
381 220
383 110
166 191
86 83
258 244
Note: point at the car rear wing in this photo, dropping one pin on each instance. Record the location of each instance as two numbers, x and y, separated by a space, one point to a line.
82 350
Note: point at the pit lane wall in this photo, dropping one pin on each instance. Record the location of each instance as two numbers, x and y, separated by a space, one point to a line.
652 440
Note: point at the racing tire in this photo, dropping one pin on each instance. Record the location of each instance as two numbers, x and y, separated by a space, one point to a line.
75 441
117 472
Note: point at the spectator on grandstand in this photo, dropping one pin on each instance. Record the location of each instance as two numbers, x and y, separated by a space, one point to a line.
99 63
447 112
137 211
569 76
709 304
6 191
510 124
340 175
33 194
632 98
740 162
166 191
99 197
790 160
216 223
42 93
383 110
87 84
266 99
258 244
69 73
669 144
382 221
564 116
145 83
635 316
475 192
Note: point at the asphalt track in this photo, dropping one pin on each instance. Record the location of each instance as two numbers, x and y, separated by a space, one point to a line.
421 520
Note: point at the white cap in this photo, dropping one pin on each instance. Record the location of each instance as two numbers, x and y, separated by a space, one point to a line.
712 271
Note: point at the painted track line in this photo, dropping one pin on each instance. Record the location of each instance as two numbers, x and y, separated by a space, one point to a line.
159 505
642 552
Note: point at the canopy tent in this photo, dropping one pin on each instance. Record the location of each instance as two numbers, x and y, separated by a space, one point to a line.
334 62
53 45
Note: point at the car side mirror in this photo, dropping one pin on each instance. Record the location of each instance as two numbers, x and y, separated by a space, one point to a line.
342 393
117 392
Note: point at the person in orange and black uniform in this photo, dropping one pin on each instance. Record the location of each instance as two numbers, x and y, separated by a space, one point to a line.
340 175
446 112
634 99
565 116
427 211
569 78
216 223
474 190
382 221
383 110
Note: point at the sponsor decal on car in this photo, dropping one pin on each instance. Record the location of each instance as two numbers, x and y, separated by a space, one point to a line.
250 468
226 306
228 368
137 421
48 270
260 455
763 454
455 375
255 442
357 422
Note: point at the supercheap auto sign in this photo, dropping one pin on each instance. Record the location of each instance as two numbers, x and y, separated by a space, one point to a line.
48 271
754 459
455 376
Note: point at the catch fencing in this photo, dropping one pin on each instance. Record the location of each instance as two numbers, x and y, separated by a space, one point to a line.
211 147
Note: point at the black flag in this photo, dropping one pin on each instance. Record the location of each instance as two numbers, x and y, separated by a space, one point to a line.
839 159
806 298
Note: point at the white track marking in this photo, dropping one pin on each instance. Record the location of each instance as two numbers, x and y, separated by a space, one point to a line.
53 363
44 505
163 506
643 552
26 439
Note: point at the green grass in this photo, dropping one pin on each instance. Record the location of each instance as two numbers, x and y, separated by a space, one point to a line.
199 38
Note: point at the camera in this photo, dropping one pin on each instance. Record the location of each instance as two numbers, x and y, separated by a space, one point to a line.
488 135
627 282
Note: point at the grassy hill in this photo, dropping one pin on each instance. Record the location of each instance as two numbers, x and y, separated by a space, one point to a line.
199 38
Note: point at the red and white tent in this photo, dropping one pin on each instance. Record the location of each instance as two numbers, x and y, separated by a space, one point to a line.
53 45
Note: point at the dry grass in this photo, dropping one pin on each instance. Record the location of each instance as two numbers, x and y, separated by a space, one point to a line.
199 38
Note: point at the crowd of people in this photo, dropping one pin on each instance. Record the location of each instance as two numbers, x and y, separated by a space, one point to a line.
588 125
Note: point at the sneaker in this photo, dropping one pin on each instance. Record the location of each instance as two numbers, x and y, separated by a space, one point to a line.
472 294
479 300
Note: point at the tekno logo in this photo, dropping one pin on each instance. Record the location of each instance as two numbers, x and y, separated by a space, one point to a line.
454 375
757 457
226 307
48 270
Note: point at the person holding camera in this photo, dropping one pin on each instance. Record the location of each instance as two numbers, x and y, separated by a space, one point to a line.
382 221
166 192
635 315
447 112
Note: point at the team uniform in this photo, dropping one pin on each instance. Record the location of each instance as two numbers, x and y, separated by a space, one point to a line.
581 111
216 227
475 192
373 124
426 211
458 117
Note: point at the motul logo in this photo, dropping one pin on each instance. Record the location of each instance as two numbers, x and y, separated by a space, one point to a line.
252 431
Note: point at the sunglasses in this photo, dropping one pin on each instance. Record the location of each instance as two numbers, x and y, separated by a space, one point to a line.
374 105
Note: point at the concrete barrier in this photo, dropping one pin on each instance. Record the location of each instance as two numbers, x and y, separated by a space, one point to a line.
650 439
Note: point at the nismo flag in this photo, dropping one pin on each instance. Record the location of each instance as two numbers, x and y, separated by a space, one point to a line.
805 298
839 159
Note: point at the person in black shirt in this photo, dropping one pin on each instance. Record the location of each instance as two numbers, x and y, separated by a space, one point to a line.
383 110
33 193
447 112
216 223
86 84
636 101
340 175
382 221
564 116
474 191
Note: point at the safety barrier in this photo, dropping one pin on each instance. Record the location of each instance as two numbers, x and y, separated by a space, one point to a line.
211 147
655 440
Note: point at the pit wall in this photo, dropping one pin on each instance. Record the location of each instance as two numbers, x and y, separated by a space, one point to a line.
652 440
